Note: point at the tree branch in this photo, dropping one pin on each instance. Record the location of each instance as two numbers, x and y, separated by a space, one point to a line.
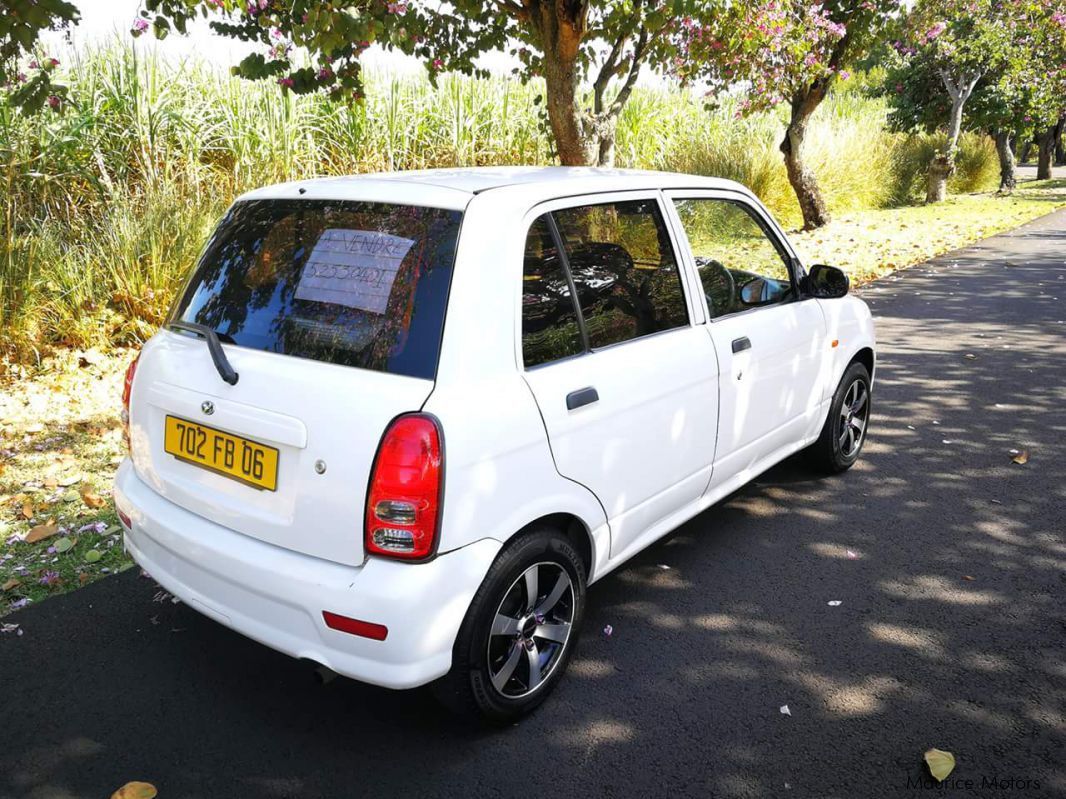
640 51
949 84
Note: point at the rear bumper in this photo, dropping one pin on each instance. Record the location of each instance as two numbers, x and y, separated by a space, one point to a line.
276 596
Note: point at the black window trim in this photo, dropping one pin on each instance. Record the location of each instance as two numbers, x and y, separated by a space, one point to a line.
660 201
792 262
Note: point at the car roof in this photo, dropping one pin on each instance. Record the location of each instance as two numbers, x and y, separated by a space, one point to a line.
453 188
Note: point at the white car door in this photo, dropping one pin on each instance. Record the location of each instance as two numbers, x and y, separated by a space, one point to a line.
770 340
627 385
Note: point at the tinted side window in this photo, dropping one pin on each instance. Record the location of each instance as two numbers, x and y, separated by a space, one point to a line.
623 266
739 265
550 329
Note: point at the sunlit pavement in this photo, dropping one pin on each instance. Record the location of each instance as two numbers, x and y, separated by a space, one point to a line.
685 696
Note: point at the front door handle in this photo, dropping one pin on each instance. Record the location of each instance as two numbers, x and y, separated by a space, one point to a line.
741 344
583 396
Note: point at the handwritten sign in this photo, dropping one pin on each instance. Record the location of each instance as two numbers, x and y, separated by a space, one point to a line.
355 268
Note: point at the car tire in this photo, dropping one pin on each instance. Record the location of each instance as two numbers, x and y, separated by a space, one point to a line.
845 429
507 656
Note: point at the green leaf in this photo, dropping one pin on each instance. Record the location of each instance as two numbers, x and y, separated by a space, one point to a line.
92 556
940 763
64 544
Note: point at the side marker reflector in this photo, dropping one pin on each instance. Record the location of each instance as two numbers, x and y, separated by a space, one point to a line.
364 629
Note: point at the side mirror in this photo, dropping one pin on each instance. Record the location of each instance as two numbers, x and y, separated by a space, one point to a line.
754 292
825 282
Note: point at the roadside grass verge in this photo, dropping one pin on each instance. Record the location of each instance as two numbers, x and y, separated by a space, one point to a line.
60 441
60 435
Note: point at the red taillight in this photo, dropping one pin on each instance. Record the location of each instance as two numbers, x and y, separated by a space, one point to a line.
403 503
127 387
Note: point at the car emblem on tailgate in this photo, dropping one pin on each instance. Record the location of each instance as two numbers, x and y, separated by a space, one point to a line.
208 407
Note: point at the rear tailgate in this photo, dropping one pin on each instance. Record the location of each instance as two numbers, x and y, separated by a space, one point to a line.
333 313
318 413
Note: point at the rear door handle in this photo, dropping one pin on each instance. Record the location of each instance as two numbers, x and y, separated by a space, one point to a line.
583 396
741 344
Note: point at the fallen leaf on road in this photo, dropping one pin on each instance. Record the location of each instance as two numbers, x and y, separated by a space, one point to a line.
664 567
92 500
27 511
968 577
852 555
69 480
1020 457
11 628
834 603
940 763
785 711
970 356
608 630
12 583
41 532
135 790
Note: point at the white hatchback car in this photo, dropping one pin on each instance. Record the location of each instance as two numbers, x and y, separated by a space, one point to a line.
396 424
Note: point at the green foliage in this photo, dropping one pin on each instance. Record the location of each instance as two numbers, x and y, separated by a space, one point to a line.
777 50
21 25
107 205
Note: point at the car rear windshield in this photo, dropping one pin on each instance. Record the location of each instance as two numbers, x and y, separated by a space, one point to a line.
352 283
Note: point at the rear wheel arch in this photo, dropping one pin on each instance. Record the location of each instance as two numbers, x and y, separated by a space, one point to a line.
574 529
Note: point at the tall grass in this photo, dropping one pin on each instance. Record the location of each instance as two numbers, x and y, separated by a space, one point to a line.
106 205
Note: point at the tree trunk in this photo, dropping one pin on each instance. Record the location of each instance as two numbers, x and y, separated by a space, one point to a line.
1024 155
804 184
943 164
607 138
1046 142
1060 147
1007 177
561 36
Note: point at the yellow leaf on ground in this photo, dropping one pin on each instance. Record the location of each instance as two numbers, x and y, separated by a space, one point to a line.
135 790
92 500
940 763
12 583
1021 457
41 532
27 511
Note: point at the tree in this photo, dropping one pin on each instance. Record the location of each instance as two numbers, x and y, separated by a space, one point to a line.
961 42
21 25
570 43
790 51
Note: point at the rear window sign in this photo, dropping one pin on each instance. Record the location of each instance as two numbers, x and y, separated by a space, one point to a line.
354 268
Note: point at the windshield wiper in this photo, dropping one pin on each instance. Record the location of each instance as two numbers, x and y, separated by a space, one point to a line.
214 346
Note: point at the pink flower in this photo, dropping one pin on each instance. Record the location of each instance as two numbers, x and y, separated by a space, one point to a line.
34 65
437 64
844 74
397 8
935 31
53 101
1059 18
140 25
49 578
325 73
286 82
275 34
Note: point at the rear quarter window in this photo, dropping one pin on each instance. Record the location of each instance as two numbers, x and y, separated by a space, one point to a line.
351 283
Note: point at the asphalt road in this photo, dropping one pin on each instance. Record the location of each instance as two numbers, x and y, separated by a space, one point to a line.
684 698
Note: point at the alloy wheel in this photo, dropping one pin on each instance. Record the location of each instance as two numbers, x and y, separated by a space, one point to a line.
531 629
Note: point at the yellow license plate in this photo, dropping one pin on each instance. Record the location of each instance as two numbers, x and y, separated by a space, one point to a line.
229 455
